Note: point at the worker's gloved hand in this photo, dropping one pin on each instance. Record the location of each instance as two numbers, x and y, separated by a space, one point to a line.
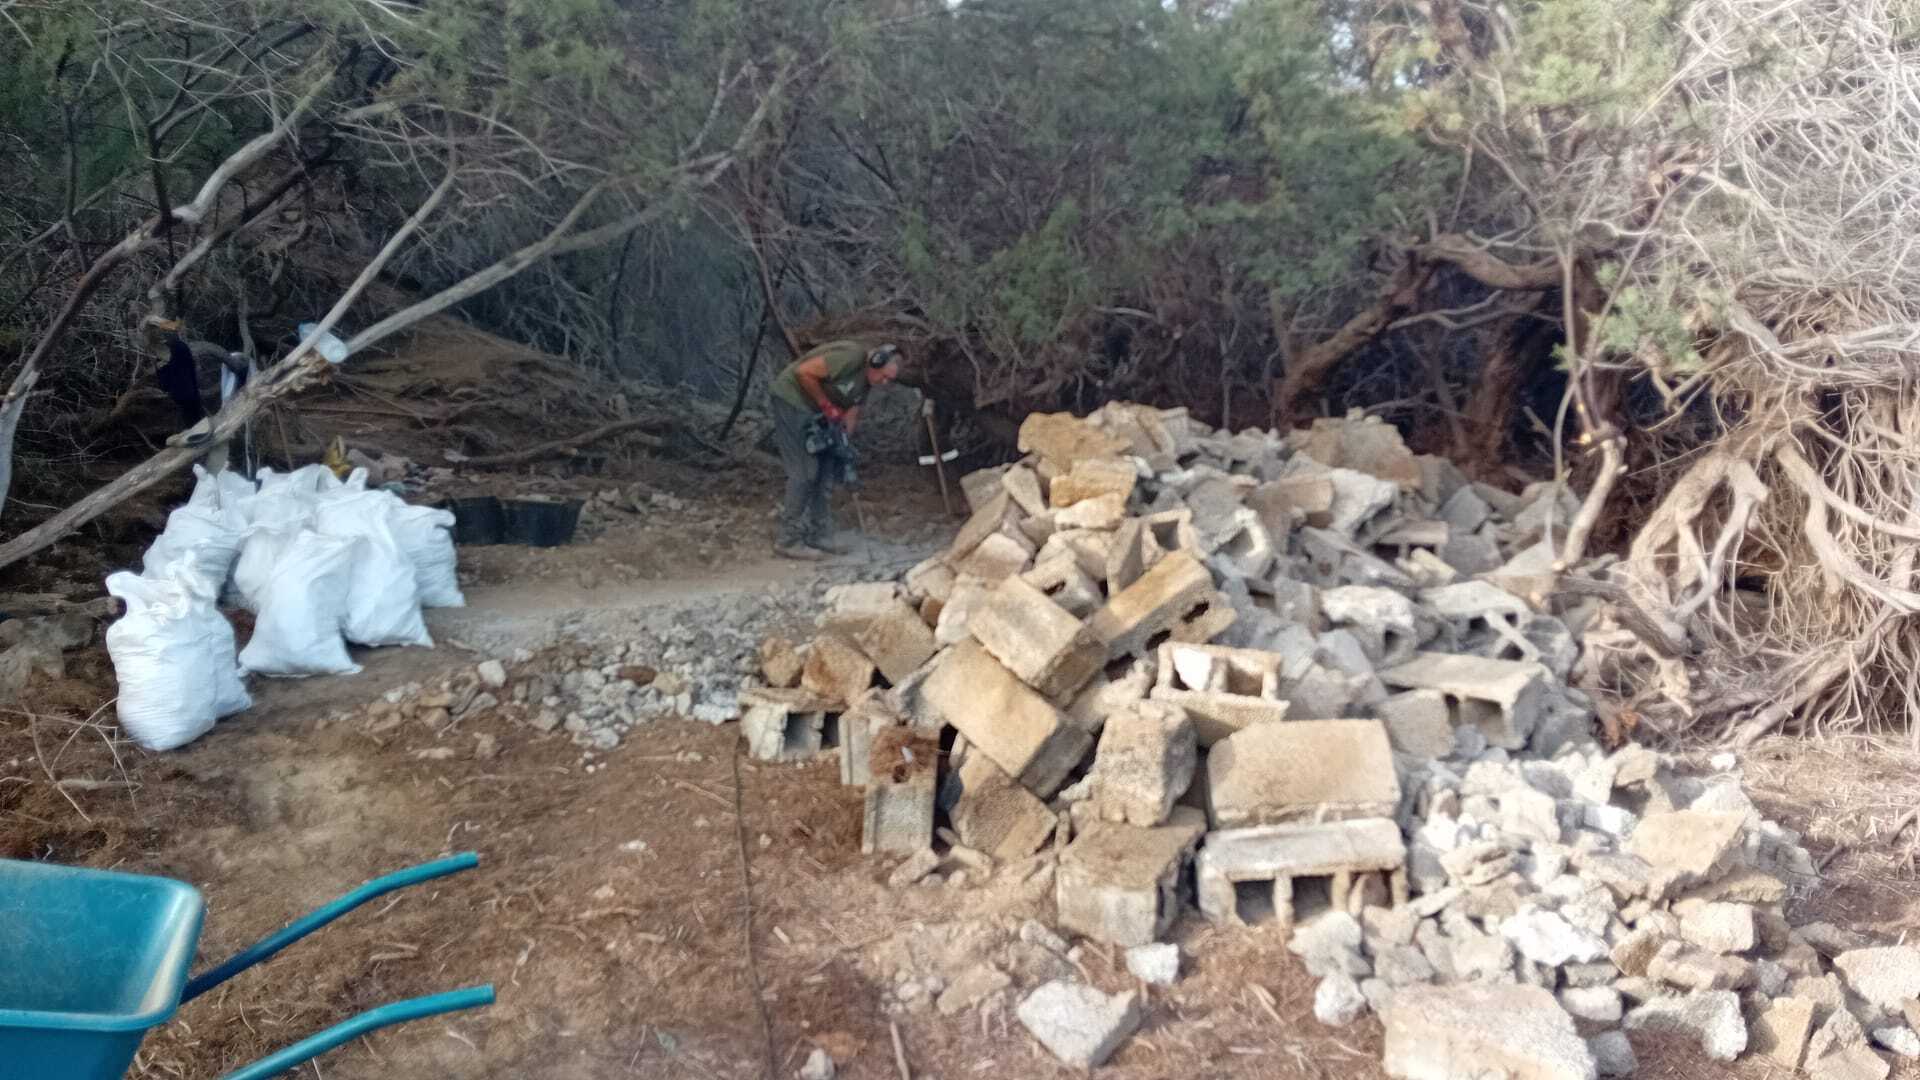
834 414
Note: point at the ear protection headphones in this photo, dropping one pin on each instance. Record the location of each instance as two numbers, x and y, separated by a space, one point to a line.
882 356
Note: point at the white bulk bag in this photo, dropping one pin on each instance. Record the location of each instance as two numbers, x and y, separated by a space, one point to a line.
423 536
302 604
261 549
204 531
383 603
173 656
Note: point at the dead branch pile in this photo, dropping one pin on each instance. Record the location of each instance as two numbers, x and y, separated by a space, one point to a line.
1787 550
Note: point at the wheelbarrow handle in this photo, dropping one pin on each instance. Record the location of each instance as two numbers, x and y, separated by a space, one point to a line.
312 921
347 1030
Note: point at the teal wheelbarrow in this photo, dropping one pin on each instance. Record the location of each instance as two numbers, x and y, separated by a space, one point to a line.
91 959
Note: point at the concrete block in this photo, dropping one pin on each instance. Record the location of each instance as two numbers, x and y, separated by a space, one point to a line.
1475 605
1153 605
1363 443
1501 698
1063 582
999 556
1037 529
1453 1032
903 766
982 486
1063 439
1689 969
1470 554
1092 478
1211 618
1119 884
1101 512
1005 719
1286 502
1780 1031
998 514
1022 485
1465 512
1294 870
836 670
1712 1016
1144 763
967 596
780 662
1357 498
1333 559
1156 965
1418 723
1077 1023
1382 619
1173 530
1550 941
782 724
897 641
1337 1001
1037 639
1222 689
994 814
1133 552
1104 696
932 579
1089 547
1300 770
858 725
1248 551
1887 978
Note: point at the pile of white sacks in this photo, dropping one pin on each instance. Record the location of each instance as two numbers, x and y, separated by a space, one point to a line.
321 563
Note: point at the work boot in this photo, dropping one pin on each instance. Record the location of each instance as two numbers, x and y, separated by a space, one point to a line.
830 546
798 552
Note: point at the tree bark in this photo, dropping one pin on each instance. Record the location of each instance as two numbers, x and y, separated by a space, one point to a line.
1309 367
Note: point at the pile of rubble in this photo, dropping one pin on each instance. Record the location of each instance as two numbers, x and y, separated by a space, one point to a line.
1316 682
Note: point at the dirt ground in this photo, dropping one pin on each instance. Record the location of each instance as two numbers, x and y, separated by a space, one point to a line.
611 907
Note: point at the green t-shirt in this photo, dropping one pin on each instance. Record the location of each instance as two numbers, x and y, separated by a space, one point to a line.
846 382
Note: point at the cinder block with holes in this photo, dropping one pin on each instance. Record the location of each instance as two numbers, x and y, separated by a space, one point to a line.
1285 872
1222 689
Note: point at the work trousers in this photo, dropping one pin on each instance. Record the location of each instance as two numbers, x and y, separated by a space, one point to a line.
806 515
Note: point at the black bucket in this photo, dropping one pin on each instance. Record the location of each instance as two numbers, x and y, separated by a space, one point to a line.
478 520
540 522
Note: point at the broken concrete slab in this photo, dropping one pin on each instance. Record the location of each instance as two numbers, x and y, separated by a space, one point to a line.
904 767
1155 604
1037 640
993 813
1272 867
1102 512
1686 847
1447 1033
1105 695
1717 927
1078 1024
1145 760
1337 1001
1004 719
1886 978
1712 1016
1856 1061
970 988
1613 1054
1549 940
1501 698
1363 443
1781 1029
967 596
1022 485
858 725
1120 883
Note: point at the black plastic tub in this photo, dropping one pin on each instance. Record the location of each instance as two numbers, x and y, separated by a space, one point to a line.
478 520
540 522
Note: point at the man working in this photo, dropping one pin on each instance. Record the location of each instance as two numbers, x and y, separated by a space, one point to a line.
829 384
